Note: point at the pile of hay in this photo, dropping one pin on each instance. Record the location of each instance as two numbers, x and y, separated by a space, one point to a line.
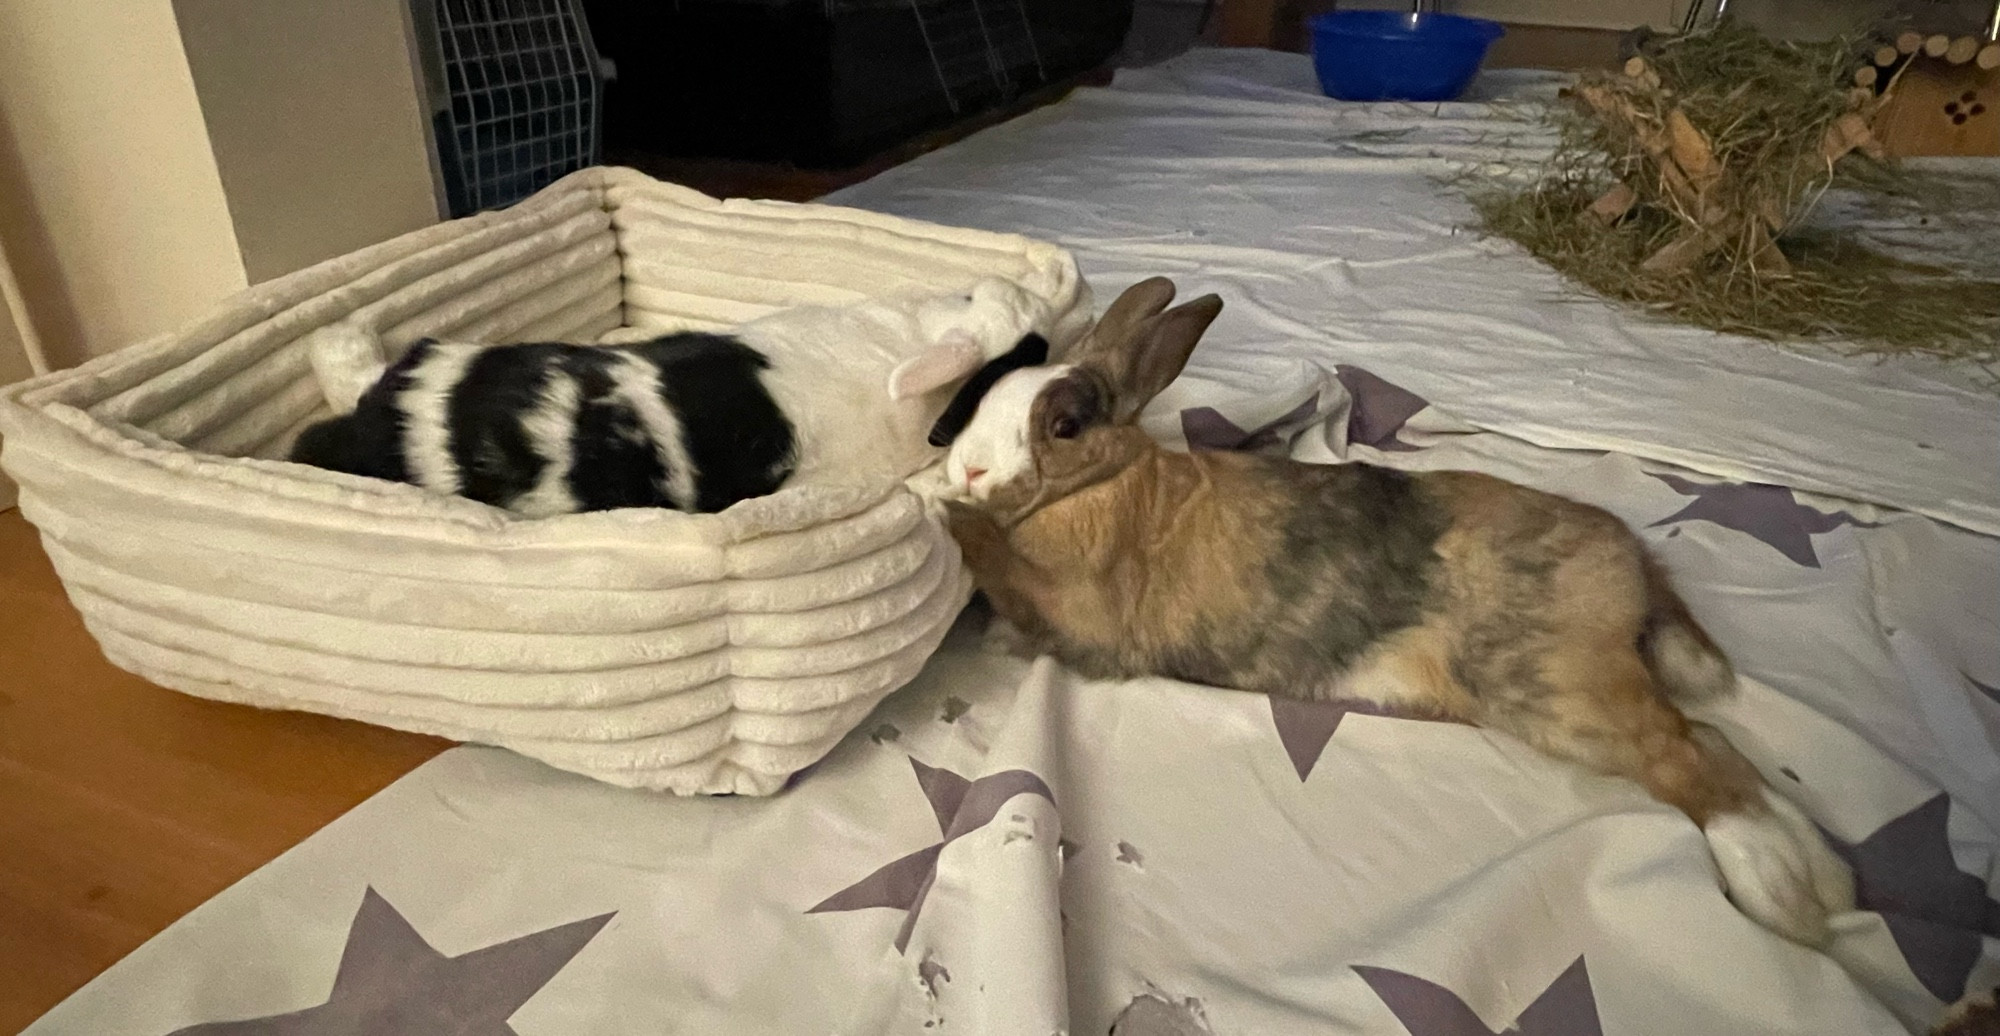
1683 184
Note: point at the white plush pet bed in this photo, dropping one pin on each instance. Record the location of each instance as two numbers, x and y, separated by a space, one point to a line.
696 653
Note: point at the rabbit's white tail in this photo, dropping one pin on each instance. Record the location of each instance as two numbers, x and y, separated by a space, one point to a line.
347 361
1685 663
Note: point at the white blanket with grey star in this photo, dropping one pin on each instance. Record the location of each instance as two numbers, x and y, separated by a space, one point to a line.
1006 848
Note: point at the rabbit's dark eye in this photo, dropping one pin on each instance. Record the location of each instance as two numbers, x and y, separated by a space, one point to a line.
1069 405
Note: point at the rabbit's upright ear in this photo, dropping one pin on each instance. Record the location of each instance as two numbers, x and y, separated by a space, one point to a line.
1151 353
1115 328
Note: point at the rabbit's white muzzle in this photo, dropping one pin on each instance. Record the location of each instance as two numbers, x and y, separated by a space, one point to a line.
997 447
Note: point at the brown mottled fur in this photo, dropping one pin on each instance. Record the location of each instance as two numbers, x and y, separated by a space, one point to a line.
1530 622
1449 593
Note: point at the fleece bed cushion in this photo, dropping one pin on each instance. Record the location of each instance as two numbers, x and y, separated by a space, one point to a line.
712 653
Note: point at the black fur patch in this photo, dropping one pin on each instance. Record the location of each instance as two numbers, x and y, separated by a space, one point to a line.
369 441
1031 351
738 441
741 444
496 462
615 462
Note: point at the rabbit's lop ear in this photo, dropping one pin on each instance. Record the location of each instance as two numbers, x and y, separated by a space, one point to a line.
955 358
1153 353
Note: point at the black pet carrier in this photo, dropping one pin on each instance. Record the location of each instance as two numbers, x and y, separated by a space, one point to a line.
516 95
829 82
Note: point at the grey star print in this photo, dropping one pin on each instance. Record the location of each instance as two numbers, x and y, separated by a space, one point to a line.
1380 410
1206 429
1935 912
1568 1007
1304 727
393 983
1769 513
961 807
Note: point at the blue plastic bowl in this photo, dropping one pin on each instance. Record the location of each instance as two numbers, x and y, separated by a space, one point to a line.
1396 56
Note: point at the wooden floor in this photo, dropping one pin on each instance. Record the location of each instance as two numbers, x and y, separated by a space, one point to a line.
124 806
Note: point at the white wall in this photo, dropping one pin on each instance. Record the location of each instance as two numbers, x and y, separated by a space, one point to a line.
157 156
110 204
314 114
14 363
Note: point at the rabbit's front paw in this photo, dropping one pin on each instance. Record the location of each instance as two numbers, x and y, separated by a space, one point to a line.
1004 638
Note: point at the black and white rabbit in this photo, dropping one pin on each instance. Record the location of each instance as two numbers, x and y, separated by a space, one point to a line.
692 421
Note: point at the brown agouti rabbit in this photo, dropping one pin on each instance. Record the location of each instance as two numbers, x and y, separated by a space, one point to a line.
1449 593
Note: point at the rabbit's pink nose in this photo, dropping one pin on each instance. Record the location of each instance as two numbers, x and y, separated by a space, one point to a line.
972 475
